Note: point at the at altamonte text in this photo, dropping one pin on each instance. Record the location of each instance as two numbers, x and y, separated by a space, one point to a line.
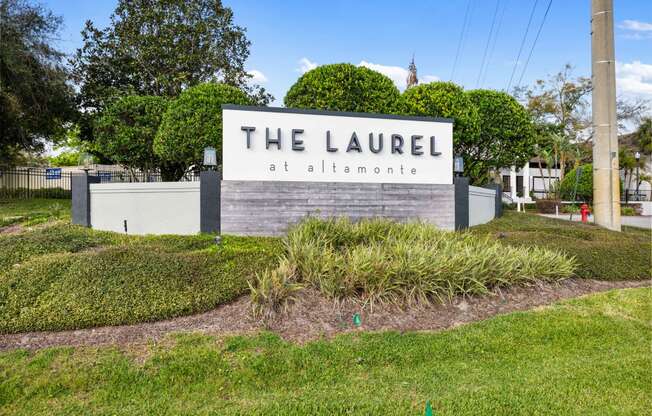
332 167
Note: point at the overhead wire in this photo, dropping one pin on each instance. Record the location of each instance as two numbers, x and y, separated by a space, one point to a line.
493 44
534 43
486 46
462 36
520 49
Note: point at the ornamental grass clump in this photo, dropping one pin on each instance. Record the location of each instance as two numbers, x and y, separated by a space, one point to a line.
273 289
383 261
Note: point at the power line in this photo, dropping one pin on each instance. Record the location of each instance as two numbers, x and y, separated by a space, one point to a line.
493 44
461 40
534 44
520 50
486 47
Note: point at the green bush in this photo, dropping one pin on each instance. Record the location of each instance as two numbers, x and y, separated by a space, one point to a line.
584 184
506 133
445 99
600 253
344 87
62 276
379 260
126 129
627 211
194 121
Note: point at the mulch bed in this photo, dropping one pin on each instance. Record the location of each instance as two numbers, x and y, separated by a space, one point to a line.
313 316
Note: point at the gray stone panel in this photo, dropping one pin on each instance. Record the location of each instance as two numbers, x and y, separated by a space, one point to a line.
268 208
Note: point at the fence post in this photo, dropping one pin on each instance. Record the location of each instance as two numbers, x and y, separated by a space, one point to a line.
210 199
498 210
461 186
81 198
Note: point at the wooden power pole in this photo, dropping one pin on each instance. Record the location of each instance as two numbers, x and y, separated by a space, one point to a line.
606 178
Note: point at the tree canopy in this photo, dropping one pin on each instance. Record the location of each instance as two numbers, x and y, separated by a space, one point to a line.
445 99
161 48
506 132
194 121
344 87
35 100
125 132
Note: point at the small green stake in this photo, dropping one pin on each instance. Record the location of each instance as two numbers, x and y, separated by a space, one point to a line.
356 319
428 409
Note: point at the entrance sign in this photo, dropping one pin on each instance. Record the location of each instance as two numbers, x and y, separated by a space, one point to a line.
279 144
53 173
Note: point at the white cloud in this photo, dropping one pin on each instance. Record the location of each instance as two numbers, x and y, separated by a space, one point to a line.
635 29
257 77
306 65
397 74
634 79
636 26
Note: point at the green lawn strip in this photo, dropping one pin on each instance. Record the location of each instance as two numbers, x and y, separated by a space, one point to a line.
33 211
140 279
588 356
602 254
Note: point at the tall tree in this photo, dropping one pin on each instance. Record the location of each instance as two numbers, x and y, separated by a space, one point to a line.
35 100
161 48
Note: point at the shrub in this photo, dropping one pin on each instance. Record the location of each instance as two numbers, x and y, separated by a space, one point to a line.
344 87
273 289
506 133
547 206
126 129
584 184
194 121
628 211
66 277
445 99
379 260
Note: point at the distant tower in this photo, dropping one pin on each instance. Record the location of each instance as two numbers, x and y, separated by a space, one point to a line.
412 74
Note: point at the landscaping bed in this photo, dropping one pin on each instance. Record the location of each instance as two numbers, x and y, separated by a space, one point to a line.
586 356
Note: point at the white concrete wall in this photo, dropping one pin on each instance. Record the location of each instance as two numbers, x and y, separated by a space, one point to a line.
149 208
482 205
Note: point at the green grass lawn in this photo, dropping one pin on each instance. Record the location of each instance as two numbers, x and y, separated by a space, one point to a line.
33 211
589 356
602 254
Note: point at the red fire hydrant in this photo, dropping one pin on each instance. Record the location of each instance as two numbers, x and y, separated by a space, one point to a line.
584 210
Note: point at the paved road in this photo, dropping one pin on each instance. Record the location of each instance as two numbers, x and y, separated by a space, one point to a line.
638 221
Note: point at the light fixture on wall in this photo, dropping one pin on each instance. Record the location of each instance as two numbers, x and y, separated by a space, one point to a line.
86 160
210 158
458 165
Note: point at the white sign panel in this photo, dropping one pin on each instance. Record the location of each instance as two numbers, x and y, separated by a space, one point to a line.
277 144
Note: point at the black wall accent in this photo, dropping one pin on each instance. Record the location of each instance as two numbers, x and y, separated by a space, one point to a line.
461 202
81 198
209 205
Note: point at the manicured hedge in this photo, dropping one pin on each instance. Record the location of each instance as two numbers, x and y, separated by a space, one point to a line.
194 121
600 253
65 277
345 87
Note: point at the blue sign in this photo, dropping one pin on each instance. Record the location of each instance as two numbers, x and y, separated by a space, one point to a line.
104 176
53 173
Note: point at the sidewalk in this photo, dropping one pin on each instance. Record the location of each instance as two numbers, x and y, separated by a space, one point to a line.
637 221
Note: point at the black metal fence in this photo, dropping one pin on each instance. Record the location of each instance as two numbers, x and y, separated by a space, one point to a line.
55 183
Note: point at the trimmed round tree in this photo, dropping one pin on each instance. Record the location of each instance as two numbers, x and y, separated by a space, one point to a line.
126 129
345 87
446 99
194 121
584 184
506 133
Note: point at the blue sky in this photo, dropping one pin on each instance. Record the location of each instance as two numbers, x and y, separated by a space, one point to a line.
290 36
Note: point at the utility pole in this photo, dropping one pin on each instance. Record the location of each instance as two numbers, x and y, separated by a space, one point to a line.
606 178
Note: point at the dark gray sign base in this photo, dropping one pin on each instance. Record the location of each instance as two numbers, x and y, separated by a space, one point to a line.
269 207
